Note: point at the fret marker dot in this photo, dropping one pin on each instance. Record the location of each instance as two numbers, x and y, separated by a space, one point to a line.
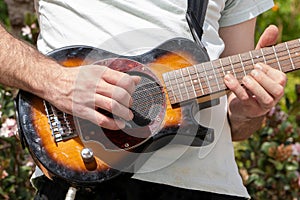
195 81
181 85
210 77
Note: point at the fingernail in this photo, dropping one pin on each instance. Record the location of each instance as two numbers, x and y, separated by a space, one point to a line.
246 79
227 78
131 115
254 73
120 124
258 66
130 102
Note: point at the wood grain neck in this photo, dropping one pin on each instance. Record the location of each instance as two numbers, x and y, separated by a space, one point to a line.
208 78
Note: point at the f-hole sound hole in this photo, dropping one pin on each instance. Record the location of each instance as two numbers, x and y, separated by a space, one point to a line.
148 100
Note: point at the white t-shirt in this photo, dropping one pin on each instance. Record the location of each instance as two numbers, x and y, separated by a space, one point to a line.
135 26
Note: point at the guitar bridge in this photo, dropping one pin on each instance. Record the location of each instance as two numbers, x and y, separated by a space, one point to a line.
61 124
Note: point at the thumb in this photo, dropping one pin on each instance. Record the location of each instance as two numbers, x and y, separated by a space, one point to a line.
268 38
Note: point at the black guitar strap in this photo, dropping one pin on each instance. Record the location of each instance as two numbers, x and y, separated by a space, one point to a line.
195 16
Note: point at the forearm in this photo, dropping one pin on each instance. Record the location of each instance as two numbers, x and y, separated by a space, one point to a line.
23 67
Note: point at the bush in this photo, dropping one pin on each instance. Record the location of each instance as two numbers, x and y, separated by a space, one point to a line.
15 163
269 160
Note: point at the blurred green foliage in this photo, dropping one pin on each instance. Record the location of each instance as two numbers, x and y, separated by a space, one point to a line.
4 13
268 161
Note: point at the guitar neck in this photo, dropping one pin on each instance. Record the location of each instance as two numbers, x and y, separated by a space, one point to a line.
208 78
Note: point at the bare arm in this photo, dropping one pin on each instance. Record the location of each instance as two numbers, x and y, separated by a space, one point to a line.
261 90
23 67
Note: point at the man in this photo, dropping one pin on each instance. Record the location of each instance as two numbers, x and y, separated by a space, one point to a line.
133 27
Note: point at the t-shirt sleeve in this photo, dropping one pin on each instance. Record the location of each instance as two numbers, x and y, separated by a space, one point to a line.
237 11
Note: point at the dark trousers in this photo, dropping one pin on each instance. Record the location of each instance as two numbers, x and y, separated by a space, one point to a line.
124 189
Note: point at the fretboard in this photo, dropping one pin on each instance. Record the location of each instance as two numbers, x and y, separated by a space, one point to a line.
208 78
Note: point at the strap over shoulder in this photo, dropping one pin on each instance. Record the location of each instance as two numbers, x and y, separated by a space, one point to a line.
195 16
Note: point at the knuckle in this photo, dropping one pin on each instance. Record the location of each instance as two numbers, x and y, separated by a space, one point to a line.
280 92
114 105
244 97
129 83
108 105
123 95
268 102
101 122
80 110
283 79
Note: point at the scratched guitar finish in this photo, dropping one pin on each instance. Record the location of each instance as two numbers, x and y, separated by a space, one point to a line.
177 79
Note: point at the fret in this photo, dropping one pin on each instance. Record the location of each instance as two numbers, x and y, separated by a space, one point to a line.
207 80
257 56
294 52
263 55
283 57
251 56
211 74
172 88
187 83
221 64
186 78
191 80
276 56
297 53
238 70
184 85
220 73
242 64
217 81
199 79
231 64
178 86
288 50
227 68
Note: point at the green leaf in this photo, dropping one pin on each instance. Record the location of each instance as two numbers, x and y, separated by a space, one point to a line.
266 146
292 166
278 165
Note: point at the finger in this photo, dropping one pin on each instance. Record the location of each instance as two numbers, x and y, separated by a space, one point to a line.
233 84
113 107
268 82
265 100
107 122
268 37
136 79
114 92
98 118
276 75
120 79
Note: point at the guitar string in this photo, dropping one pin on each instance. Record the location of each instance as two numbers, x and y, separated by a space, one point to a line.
211 69
135 99
246 60
265 55
288 55
234 63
